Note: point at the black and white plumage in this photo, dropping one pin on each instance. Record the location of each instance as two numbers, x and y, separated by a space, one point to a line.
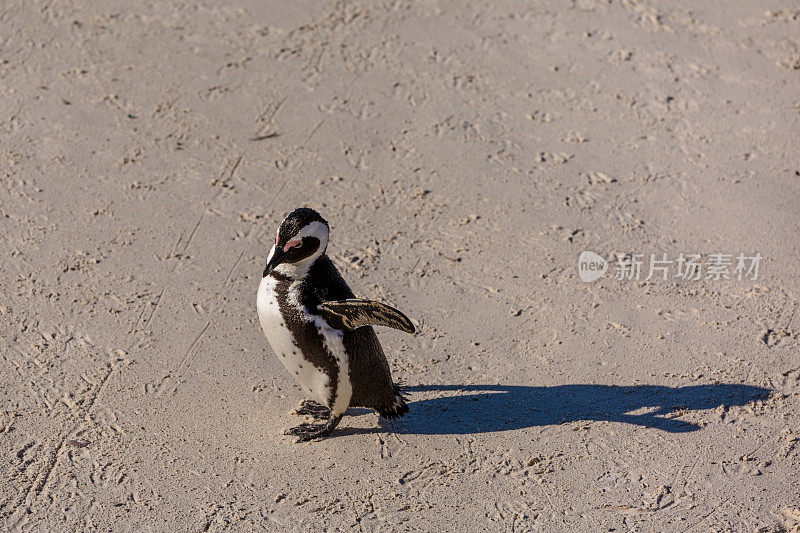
320 332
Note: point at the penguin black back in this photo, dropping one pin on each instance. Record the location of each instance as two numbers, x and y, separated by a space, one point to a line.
369 371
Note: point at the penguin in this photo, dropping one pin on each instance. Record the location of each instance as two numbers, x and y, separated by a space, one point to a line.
321 332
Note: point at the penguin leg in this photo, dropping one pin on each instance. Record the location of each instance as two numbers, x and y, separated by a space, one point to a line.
313 409
306 432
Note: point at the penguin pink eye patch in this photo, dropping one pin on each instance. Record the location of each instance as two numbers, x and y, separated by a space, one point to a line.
292 244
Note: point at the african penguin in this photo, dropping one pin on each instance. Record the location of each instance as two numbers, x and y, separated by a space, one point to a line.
321 332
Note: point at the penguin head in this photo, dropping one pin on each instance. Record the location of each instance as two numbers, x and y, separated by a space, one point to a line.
301 238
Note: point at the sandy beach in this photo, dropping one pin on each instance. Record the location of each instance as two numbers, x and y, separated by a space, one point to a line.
465 155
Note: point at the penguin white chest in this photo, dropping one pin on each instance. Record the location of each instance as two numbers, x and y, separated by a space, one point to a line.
314 381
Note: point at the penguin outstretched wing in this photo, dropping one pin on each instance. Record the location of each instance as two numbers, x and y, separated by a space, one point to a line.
354 313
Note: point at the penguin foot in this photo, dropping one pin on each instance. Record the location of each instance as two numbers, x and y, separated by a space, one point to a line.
305 432
313 409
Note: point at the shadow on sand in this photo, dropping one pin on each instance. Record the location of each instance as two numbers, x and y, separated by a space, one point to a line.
468 409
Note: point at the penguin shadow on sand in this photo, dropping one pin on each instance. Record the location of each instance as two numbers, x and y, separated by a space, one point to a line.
470 409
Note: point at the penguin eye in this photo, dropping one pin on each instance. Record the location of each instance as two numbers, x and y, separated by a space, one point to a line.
292 244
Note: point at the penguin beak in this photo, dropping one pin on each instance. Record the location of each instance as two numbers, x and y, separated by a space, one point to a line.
275 259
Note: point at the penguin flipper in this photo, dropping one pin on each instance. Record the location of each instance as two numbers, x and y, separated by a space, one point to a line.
354 313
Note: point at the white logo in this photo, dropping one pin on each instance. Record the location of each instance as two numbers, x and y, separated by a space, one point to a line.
591 266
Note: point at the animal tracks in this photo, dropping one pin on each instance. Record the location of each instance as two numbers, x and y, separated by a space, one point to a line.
363 111
355 156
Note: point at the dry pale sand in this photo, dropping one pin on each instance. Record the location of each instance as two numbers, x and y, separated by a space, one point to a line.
465 155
